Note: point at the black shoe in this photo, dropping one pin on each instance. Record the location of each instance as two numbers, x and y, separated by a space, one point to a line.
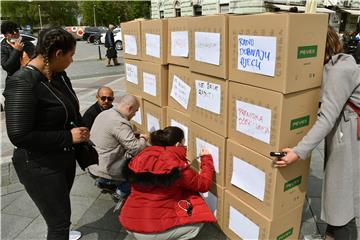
110 188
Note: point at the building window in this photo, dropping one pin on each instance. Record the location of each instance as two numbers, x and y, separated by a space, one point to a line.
161 14
177 12
224 8
197 10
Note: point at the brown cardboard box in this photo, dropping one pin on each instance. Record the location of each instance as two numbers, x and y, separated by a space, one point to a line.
154 41
181 120
201 136
210 104
131 35
266 121
209 45
154 117
154 83
133 76
180 90
241 221
215 200
300 46
138 119
178 41
274 191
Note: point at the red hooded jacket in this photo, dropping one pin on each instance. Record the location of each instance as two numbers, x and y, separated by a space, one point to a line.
154 209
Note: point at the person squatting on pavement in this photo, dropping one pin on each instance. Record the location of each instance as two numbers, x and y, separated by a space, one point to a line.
339 124
40 107
115 142
104 99
164 202
110 45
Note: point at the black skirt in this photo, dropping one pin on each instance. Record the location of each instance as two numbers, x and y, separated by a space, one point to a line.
111 53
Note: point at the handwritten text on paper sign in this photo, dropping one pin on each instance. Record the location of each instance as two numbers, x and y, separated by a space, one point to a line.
130 44
208 96
257 54
180 91
131 73
179 44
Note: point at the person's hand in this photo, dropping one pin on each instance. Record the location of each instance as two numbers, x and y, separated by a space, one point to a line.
204 151
288 159
80 134
18 45
145 137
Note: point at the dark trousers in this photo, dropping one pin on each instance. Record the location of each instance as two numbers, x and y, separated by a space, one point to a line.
346 232
49 188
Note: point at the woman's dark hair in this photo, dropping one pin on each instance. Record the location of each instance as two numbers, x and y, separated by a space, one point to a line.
53 39
169 136
333 45
9 27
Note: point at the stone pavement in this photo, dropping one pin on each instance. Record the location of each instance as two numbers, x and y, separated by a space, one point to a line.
92 212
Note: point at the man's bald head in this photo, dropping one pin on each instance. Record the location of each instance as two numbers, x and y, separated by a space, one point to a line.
128 106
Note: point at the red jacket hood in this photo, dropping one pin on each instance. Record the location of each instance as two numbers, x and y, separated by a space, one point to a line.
159 160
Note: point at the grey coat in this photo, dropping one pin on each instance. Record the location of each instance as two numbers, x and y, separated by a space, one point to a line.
115 142
337 124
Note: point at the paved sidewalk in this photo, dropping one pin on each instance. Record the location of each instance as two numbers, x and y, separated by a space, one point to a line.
92 212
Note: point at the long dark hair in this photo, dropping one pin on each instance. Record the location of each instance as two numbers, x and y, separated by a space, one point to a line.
169 136
333 45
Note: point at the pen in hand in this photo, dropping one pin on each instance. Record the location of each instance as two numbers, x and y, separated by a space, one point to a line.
89 141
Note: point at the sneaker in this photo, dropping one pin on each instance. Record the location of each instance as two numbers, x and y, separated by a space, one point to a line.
105 187
74 235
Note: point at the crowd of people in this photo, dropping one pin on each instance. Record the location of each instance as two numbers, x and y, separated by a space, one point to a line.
150 173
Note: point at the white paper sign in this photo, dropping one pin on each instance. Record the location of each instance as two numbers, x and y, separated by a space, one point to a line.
185 129
207 47
152 45
153 123
137 117
149 81
248 178
179 44
131 73
212 149
257 54
253 120
208 96
130 44
211 201
242 226
180 91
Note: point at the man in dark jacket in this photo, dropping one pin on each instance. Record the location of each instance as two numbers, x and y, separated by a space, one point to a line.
104 97
110 45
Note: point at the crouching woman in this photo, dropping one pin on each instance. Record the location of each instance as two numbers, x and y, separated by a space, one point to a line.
164 202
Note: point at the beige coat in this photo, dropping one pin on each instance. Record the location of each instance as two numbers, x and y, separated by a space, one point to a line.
115 142
337 123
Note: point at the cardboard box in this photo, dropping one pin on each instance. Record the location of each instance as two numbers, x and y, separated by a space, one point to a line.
215 200
180 89
241 221
154 83
181 120
210 106
209 52
274 191
281 52
131 35
133 76
154 41
179 41
203 137
138 119
266 121
154 117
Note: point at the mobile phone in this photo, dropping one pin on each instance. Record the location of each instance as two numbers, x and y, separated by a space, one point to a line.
277 154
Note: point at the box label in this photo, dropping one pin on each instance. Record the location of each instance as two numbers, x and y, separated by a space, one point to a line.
285 235
307 52
292 183
299 122
208 96
207 47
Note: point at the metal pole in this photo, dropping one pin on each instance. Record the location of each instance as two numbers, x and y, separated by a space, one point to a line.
99 52
41 26
94 15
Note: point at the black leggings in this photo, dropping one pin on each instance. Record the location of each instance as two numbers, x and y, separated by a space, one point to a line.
49 188
346 232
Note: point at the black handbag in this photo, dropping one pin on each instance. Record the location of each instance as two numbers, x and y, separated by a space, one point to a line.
86 155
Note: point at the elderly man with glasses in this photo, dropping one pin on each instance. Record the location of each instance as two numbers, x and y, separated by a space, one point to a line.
105 98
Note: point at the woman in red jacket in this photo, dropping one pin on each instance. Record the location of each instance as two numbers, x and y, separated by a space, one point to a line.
164 202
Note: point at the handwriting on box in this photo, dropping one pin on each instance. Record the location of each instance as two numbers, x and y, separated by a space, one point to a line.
257 54
179 44
152 45
208 96
207 47
131 73
214 150
253 120
130 44
149 81
180 91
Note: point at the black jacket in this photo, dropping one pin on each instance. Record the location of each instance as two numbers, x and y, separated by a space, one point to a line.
90 115
39 115
109 39
10 57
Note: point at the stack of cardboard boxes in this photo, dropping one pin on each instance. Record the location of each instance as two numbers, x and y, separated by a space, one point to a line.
240 86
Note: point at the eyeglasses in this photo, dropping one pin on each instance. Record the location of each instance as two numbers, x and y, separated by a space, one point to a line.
103 98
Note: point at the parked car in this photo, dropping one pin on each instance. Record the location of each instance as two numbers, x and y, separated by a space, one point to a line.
117 38
25 37
92 30
95 37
